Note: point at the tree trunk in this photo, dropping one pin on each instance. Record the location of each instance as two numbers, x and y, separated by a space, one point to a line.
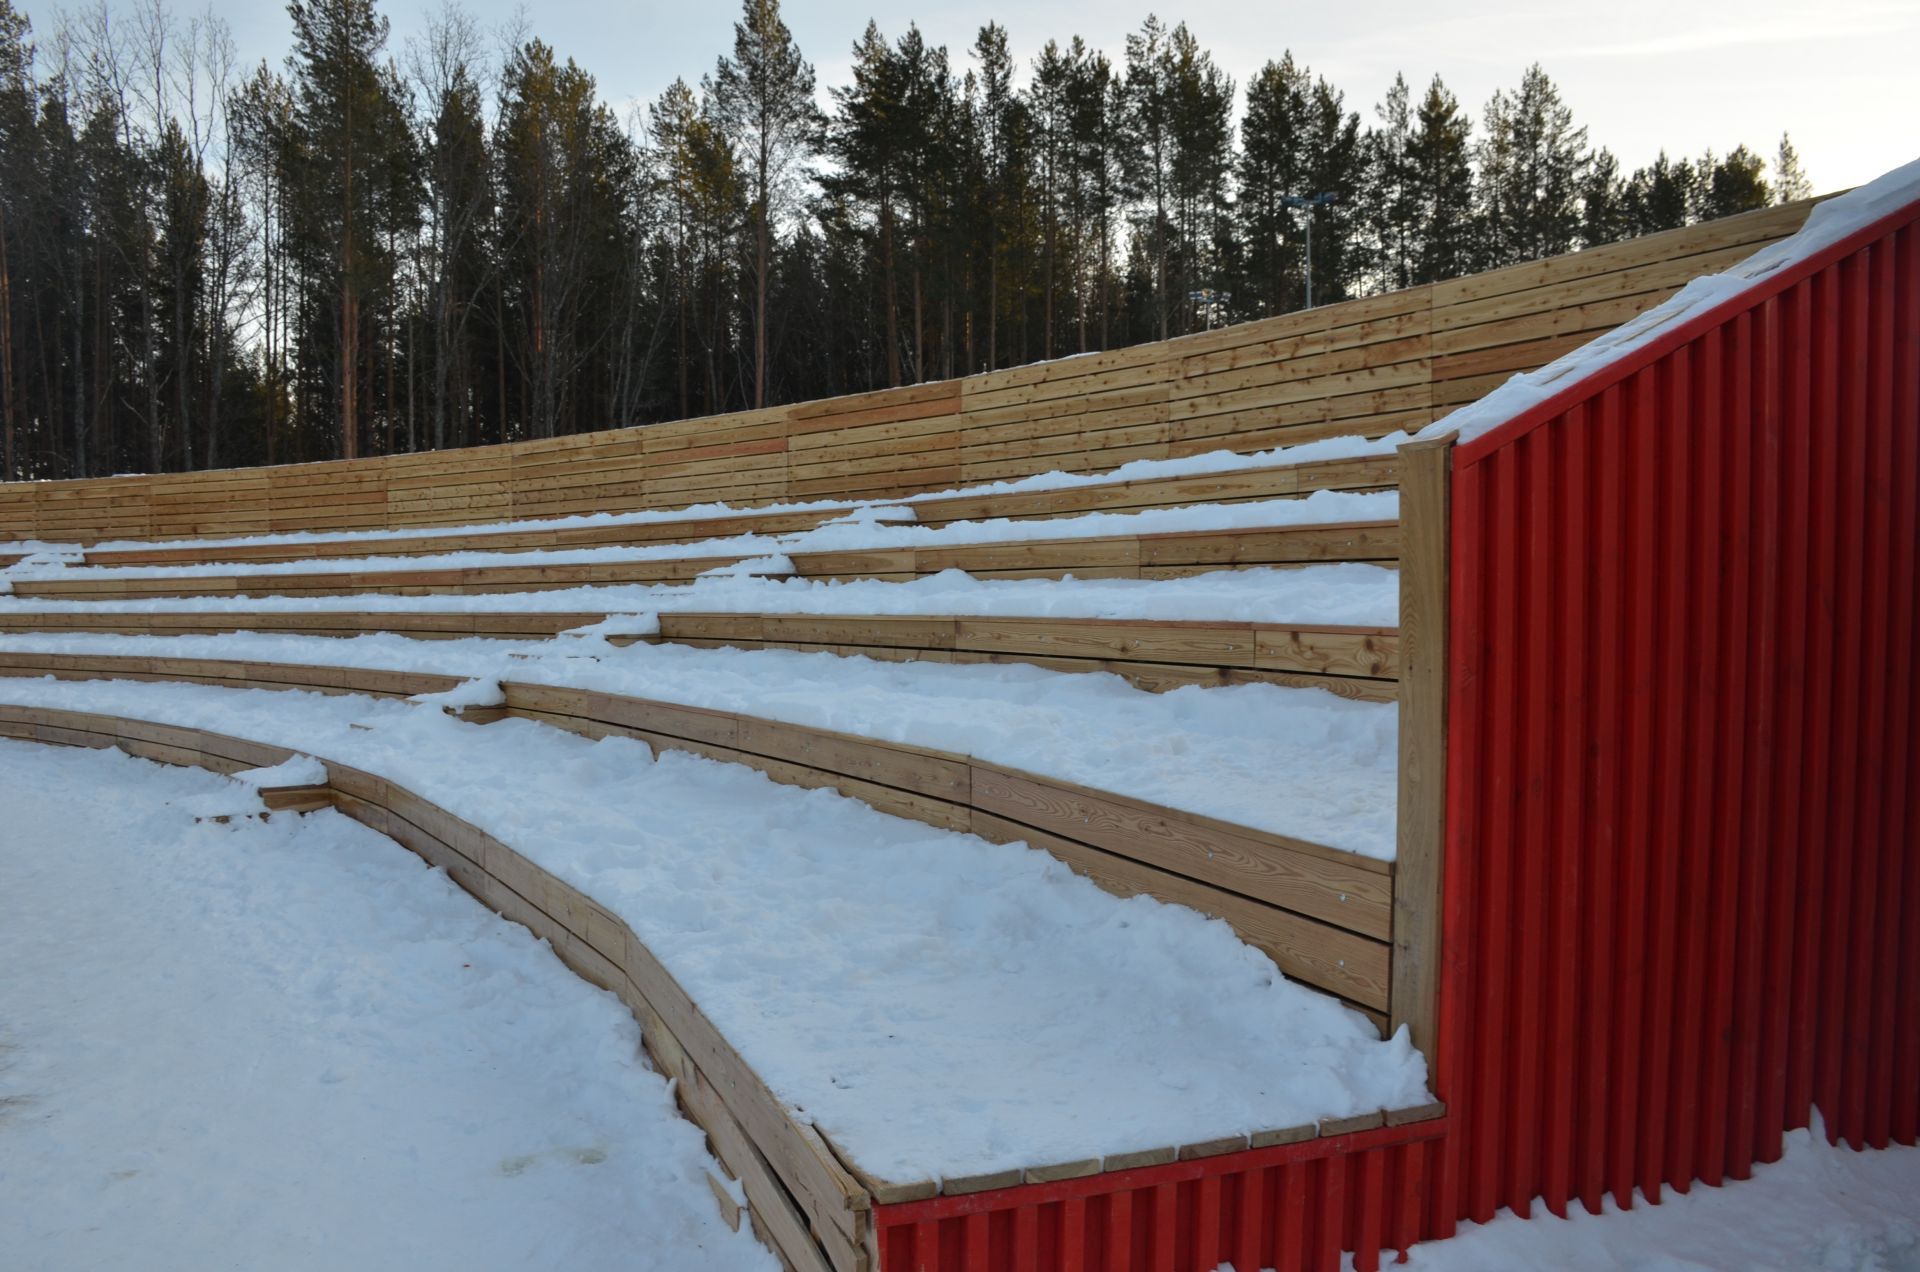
183 364
6 354
81 465
760 287
349 310
993 288
892 301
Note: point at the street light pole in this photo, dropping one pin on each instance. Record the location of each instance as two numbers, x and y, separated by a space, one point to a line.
1318 200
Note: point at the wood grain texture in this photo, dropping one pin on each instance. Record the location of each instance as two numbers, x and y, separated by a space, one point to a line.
1363 367
1426 476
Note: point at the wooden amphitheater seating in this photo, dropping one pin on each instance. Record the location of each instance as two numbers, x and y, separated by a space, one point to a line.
809 1199
1170 555
1353 662
1274 482
1323 915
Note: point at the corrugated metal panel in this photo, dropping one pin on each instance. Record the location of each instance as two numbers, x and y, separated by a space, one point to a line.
1294 1207
1683 888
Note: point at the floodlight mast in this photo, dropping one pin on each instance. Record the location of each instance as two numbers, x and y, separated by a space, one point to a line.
1309 203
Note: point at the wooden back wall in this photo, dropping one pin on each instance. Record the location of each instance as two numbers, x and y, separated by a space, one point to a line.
1366 366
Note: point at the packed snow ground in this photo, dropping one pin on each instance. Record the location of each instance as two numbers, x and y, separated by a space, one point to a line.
1346 593
287 1045
1819 1207
1212 462
1297 762
937 1004
866 529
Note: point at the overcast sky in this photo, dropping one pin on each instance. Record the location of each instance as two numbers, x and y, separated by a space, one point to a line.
1840 75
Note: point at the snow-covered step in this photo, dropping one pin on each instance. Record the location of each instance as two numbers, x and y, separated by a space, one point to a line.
1157 655
977 1014
1292 762
1358 594
1221 477
1323 914
1144 556
1327 525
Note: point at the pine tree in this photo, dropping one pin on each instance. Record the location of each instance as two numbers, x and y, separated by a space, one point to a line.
17 143
564 169
764 93
863 140
193 276
1440 185
997 112
1098 101
1273 165
1150 112
1734 185
348 125
1392 212
1603 213
459 188
1201 132
1049 106
1660 196
1790 184
1532 163
1336 165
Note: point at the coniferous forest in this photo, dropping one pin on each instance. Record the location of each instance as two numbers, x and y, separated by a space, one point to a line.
370 249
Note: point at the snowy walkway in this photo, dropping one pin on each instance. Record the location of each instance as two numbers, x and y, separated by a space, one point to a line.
288 1045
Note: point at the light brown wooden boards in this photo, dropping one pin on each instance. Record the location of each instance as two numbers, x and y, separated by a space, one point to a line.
1364 367
1118 556
1427 469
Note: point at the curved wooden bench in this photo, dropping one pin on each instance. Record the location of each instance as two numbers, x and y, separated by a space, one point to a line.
1324 915
1147 556
1373 472
1156 655
809 1201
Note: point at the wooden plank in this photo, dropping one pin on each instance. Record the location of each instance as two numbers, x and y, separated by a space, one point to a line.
942 775
1210 644
1345 964
669 719
1370 653
1348 541
1342 889
1426 478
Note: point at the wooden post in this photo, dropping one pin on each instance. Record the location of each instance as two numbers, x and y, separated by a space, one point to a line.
1426 473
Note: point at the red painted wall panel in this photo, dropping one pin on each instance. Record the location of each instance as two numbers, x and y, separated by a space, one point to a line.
1681 848
1294 1208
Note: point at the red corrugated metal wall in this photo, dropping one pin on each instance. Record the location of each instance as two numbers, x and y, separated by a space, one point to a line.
1682 885
1293 1208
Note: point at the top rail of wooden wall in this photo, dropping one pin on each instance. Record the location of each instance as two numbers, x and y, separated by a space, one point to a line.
1365 367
